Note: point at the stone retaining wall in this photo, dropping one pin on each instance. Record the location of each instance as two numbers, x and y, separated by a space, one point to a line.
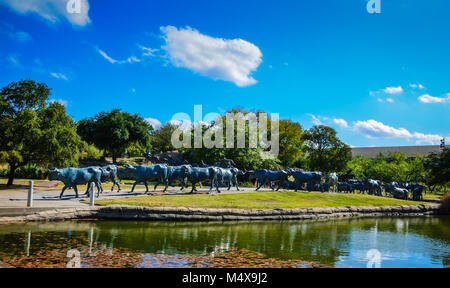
210 214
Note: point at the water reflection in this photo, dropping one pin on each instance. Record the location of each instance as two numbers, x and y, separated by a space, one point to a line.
402 242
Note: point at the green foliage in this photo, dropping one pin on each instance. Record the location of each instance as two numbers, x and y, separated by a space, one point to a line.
271 164
162 138
325 151
244 158
115 131
291 142
35 131
31 171
136 149
438 165
300 162
393 167
92 153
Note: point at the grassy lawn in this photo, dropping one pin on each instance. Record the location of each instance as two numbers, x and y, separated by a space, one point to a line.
259 200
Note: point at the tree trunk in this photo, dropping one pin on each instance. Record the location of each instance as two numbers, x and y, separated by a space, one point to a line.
114 158
12 172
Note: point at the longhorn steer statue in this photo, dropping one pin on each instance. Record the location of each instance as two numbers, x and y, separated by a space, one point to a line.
417 192
301 177
400 193
356 185
142 173
198 174
71 177
269 176
109 173
175 173
332 180
229 175
345 187
373 187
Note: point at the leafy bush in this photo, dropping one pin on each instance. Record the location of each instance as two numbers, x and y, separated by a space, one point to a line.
31 171
4 172
92 152
445 204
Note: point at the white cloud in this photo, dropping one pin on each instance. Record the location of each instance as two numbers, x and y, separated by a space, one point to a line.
341 122
52 10
393 90
380 100
154 122
106 56
390 100
129 60
315 119
431 99
419 86
148 51
59 76
221 59
374 129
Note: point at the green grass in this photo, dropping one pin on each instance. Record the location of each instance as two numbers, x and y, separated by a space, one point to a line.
260 200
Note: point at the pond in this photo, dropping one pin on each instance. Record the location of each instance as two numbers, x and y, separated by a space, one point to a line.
359 242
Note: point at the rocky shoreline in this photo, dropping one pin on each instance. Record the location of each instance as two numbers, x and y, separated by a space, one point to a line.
118 212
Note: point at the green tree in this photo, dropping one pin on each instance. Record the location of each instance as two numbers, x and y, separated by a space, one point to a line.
291 142
325 151
244 158
438 165
114 131
35 131
162 138
360 166
416 170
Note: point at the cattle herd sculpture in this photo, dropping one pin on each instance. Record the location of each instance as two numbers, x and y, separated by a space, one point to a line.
224 174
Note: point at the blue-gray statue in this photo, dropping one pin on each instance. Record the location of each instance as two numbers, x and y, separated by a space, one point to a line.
332 180
143 174
311 178
174 173
229 175
71 177
198 174
265 177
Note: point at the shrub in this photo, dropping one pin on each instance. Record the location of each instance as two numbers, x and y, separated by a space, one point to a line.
92 152
4 172
445 204
31 171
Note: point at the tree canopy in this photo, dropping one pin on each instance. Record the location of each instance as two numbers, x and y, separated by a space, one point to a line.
325 152
291 142
438 165
114 131
162 138
35 130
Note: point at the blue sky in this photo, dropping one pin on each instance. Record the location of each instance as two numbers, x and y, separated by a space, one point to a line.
379 79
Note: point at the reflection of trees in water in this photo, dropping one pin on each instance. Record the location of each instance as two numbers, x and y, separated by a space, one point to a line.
310 241
317 241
